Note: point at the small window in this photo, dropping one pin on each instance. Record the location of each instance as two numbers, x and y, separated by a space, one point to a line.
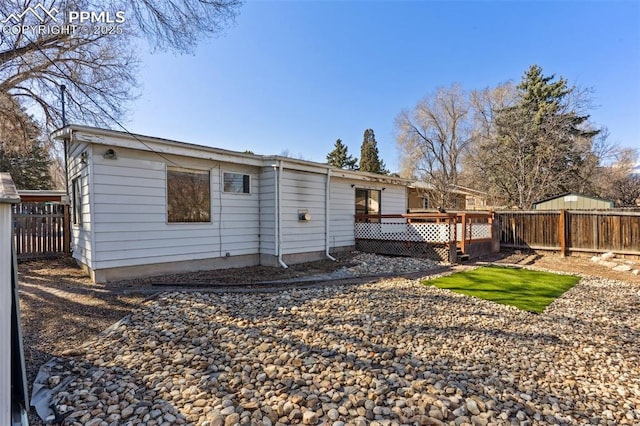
188 195
76 185
236 183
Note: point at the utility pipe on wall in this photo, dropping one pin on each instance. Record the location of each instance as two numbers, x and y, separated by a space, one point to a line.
278 189
327 212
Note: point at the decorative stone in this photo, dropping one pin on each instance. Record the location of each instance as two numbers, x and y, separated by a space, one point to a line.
309 418
622 268
385 353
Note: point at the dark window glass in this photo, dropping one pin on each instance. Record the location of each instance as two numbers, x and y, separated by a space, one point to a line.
237 183
77 200
188 195
368 203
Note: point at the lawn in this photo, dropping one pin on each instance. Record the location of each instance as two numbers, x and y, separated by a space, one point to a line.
525 289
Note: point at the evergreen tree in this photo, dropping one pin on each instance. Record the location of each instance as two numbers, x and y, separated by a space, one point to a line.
542 144
340 157
28 167
23 154
369 157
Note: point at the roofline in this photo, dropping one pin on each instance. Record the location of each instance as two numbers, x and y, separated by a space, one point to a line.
8 192
573 193
420 184
42 192
67 131
216 154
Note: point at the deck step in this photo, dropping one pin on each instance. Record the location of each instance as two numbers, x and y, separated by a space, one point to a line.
460 256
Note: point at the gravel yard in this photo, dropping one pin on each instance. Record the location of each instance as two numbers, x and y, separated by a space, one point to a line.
391 352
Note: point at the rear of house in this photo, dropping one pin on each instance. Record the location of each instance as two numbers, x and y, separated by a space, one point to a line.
146 206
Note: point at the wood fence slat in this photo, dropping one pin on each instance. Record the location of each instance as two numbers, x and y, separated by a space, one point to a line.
595 231
41 230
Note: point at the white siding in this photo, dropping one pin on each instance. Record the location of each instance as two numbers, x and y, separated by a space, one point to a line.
393 200
124 208
267 211
6 229
131 227
240 214
342 205
81 244
302 190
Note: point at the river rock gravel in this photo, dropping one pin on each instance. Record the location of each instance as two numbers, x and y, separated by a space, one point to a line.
394 352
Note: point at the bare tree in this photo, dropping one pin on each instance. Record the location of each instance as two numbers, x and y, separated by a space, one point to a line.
432 139
620 181
97 63
485 105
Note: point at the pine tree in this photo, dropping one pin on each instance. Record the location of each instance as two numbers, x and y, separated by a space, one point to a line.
29 168
23 154
543 146
340 157
369 157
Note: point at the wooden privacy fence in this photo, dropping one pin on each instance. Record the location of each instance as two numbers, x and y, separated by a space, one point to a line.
41 230
571 231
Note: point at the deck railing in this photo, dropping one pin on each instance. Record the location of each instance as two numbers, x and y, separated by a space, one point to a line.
407 234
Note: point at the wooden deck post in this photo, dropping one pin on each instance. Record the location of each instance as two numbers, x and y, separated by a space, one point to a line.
463 243
495 232
562 232
452 221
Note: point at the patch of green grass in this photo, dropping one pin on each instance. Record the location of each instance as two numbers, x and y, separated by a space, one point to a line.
525 289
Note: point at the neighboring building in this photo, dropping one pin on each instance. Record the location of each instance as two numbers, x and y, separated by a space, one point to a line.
573 201
464 198
418 198
146 206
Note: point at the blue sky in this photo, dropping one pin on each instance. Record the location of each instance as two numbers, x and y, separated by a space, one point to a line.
297 75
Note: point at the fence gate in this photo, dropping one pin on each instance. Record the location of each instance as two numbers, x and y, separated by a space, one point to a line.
41 230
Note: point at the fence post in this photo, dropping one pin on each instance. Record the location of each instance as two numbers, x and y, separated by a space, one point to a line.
66 229
562 232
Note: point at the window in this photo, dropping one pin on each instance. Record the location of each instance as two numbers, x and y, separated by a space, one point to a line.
236 183
188 195
76 185
368 203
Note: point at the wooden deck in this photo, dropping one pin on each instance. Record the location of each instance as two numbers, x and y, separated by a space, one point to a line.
444 237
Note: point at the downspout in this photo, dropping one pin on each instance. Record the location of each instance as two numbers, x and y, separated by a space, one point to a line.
327 212
278 189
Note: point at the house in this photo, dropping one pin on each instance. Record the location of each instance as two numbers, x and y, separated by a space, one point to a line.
463 198
146 206
573 201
